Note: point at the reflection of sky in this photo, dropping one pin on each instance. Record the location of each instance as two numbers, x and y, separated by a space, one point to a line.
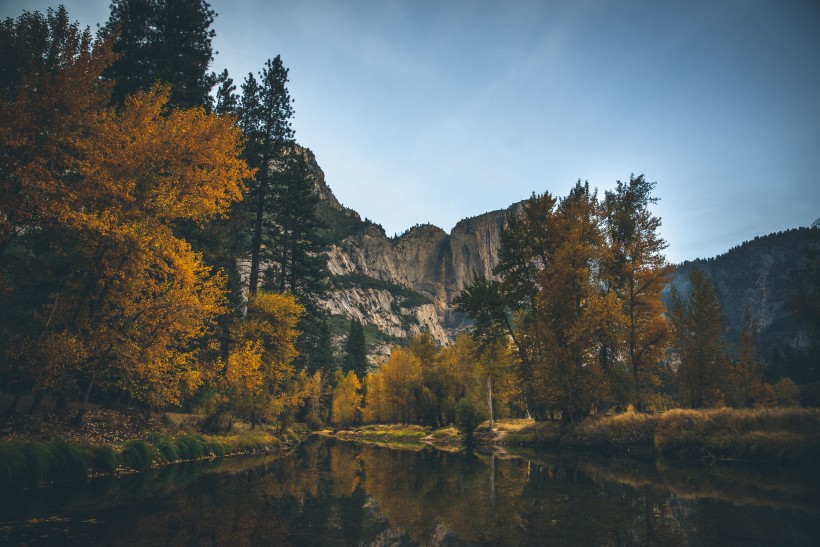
432 111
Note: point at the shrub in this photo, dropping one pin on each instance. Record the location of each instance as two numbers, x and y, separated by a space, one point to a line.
468 417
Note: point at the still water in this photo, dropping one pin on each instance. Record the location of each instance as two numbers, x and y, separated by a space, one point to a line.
334 493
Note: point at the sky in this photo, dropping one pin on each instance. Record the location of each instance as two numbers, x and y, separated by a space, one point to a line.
424 111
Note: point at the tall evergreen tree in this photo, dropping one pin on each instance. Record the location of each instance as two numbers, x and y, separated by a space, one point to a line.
699 342
266 110
226 101
162 40
356 350
285 249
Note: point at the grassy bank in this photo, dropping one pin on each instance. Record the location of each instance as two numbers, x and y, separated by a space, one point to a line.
401 435
784 435
34 463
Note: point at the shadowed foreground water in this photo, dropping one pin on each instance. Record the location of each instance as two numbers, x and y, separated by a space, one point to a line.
333 493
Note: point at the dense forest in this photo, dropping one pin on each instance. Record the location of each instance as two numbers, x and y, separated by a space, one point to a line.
160 247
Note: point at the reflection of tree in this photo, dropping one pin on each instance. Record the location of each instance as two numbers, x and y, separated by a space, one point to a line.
341 493
345 468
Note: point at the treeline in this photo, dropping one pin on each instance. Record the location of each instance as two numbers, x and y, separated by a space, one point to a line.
573 324
158 230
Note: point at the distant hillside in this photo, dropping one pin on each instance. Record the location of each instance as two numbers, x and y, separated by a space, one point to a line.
777 278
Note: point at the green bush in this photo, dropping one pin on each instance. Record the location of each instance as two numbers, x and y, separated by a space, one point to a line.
468 416
36 463
192 447
67 461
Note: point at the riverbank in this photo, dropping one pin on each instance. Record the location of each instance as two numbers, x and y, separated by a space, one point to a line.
400 436
771 436
44 448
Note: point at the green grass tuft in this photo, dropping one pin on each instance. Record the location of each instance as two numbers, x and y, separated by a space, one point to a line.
103 459
138 455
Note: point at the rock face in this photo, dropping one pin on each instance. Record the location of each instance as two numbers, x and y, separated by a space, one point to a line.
422 271
407 284
768 276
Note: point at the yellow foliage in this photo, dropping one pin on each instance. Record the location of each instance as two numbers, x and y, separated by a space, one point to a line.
262 354
347 399
244 371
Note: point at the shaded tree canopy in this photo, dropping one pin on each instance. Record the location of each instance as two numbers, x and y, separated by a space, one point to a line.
165 41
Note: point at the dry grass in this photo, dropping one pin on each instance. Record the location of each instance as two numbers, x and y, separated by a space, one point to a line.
528 433
787 435
778 435
627 432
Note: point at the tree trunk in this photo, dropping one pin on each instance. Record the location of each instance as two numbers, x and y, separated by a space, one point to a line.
256 242
12 408
490 400
38 398
77 421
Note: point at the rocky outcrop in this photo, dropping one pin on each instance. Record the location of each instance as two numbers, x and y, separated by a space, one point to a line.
418 274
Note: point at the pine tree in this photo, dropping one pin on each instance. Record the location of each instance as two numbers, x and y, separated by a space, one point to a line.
355 350
285 248
699 342
162 40
265 111
227 101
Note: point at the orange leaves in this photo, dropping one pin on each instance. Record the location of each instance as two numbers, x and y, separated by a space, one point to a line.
144 163
245 368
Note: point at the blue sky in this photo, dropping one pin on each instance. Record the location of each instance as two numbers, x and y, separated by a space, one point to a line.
422 111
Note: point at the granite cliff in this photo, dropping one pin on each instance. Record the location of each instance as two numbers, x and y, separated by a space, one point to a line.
403 285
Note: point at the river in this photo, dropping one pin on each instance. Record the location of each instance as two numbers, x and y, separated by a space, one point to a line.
329 492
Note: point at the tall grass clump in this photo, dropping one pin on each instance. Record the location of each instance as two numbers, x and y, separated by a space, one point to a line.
626 432
787 435
35 463
138 455
103 459
166 447
14 469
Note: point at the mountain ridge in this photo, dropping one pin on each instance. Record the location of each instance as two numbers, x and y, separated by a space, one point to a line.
406 284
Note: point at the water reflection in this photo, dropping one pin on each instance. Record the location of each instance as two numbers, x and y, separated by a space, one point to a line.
334 493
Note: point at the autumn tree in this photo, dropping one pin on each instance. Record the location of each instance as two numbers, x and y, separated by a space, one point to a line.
347 399
496 369
745 386
123 290
548 301
578 294
315 408
698 342
266 340
393 390
51 98
448 376
637 271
